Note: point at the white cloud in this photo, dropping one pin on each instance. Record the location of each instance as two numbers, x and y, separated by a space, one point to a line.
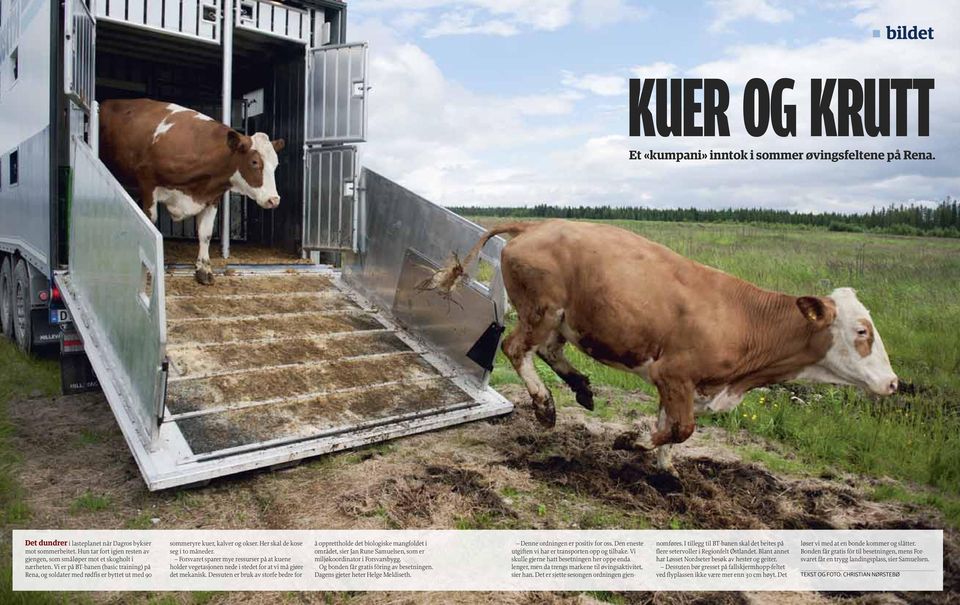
597 13
441 139
660 69
503 17
615 84
544 104
877 14
727 12
458 23
410 19
598 84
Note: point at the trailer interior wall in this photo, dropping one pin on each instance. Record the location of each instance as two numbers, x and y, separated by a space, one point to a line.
25 110
276 67
135 63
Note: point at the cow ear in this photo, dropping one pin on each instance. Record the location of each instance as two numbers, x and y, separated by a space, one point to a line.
816 310
236 142
278 145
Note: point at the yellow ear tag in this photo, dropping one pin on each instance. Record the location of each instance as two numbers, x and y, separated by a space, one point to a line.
812 315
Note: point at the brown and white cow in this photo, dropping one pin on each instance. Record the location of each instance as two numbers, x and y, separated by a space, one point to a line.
702 337
185 160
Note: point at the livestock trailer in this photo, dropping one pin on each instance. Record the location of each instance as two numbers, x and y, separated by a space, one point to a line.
278 360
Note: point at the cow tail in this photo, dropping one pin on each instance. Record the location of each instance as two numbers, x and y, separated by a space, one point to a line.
452 274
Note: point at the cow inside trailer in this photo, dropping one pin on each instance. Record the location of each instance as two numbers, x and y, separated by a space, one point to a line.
268 71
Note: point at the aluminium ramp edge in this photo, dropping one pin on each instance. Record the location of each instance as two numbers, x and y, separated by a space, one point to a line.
171 462
116 393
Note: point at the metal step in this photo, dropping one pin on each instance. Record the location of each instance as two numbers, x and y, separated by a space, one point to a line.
188 308
285 281
277 384
269 326
298 419
200 360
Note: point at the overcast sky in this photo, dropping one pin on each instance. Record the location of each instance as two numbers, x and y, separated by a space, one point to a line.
518 102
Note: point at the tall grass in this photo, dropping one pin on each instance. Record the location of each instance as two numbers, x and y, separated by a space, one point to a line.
912 288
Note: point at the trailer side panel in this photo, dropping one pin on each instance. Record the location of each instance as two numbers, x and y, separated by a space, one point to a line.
25 82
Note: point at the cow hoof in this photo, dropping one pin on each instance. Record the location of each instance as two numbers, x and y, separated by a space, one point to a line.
546 415
204 276
585 399
669 469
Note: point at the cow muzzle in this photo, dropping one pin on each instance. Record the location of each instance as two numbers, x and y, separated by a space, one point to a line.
886 386
270 203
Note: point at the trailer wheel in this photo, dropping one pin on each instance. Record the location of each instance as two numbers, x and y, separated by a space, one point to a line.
22 326
6 298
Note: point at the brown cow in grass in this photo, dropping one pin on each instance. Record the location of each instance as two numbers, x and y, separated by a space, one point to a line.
185 160
702 337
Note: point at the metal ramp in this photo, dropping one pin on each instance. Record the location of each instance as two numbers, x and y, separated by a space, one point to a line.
278 364
302 366
268 357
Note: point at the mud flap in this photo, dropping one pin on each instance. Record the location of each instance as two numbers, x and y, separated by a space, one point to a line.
76 373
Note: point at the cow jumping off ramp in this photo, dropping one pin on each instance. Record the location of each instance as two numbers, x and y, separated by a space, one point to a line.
185 160
702 337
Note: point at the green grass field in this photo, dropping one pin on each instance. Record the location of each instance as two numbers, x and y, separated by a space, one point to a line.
912 288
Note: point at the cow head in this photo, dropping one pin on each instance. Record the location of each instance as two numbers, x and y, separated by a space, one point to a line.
256 161
856 355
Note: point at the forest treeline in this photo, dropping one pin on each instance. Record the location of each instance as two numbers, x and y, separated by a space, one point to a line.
942 220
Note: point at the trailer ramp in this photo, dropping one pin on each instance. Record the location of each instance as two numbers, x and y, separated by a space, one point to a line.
267 358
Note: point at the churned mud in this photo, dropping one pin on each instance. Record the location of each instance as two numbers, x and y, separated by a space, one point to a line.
708 493
285 382
211 432
412 496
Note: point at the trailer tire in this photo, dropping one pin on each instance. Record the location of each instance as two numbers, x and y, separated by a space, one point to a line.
22 325
6 298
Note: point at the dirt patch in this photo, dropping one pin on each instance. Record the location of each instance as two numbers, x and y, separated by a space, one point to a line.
192 360
184 252
203 332
211 432
410 501
195 394
231 285
196 307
